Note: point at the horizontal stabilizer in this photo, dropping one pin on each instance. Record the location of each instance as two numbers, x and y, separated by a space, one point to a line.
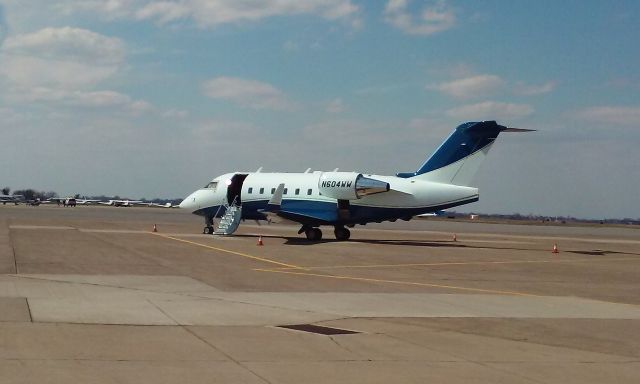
518 130
458 158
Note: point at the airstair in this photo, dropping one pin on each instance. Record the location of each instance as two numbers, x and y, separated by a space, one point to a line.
230 221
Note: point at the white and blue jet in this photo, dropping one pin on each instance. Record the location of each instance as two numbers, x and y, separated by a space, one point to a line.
346 199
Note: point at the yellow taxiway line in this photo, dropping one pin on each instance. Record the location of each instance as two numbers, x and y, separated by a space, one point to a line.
262 259
399 282
463 263
299 271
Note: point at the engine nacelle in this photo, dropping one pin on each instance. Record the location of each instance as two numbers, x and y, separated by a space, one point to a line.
349 185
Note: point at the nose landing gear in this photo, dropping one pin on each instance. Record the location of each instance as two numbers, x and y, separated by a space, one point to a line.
208 225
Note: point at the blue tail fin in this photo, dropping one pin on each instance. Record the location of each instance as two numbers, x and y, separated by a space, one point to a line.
458 158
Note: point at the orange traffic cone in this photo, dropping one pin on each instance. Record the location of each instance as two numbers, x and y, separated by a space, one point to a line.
155 229
455 238
260 243
555 248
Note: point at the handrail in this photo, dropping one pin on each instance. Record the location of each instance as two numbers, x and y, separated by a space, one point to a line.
217 211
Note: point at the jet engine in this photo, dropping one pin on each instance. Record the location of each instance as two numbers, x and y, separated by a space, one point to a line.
349 185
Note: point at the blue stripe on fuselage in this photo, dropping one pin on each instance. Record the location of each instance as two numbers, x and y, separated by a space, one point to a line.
315 212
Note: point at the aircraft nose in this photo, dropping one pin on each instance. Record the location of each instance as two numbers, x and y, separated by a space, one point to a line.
189 202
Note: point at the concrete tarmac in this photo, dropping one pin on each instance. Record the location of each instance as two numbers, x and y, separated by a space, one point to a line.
90 294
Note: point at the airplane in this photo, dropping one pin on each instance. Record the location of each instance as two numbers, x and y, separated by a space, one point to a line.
432 214
36 202
121 203
72 201
166 205
346 199
15 199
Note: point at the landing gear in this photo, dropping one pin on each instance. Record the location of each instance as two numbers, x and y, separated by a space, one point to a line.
313 234
208 225
342 233
207 230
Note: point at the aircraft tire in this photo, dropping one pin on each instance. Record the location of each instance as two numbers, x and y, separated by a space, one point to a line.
313 234
342 233
208 230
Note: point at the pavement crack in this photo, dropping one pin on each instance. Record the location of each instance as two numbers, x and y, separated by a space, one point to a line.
29 309
163 312
228 356
13 247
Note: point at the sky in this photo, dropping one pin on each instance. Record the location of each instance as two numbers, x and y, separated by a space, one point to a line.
142 98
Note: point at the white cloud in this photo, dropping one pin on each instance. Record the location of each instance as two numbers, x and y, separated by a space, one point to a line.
31 71
470 87
534 89
336 106
60 57
70 44
213 13
247 93
63 66
435 18
164 11
490 110
80 98
176 113
109 9
611 115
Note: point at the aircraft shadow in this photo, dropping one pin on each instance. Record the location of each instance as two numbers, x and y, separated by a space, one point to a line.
301 241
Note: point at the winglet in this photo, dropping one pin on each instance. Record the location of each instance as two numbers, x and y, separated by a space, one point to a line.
276 200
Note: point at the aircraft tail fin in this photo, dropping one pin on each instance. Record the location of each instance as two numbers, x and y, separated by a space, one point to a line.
458 158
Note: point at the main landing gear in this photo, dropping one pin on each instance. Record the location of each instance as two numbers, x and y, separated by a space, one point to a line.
342 233
312 233
208 225
315 234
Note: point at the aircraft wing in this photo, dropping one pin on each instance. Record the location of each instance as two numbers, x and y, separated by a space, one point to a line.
273 206
293 210
86 201
167 205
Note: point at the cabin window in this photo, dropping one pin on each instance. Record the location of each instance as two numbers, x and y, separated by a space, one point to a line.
261 191
273 190
250 190
212 185
297 191
309 191
285 191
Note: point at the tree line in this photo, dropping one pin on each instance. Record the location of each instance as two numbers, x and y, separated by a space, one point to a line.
30 194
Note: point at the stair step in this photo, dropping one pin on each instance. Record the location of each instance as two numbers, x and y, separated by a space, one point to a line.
230 220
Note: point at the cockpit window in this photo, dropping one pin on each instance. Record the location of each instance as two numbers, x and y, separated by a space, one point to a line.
212 185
